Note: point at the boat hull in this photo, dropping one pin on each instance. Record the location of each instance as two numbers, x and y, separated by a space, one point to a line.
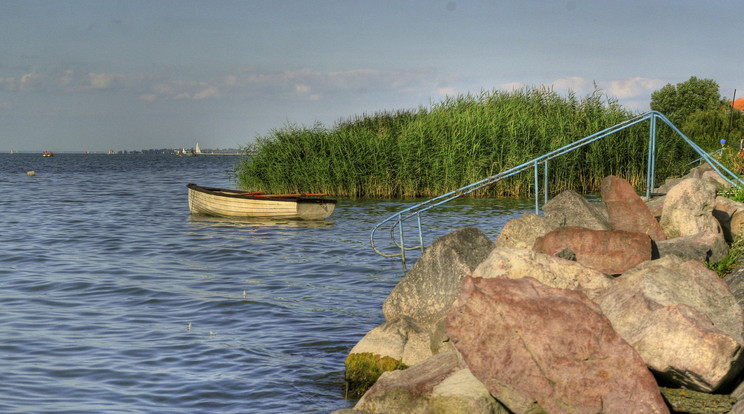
231 203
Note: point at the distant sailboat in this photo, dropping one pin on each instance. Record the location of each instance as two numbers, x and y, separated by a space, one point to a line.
197 150
12 152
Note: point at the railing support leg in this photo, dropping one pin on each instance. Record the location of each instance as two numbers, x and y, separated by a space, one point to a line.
537 192
545 181
651 157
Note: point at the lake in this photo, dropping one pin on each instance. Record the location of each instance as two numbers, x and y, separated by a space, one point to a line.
115 299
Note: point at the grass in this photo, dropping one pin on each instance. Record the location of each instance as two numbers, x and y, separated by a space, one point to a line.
430 151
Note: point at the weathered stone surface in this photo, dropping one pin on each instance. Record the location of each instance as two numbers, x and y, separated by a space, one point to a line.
442 383
688 209
735 281
681 400
569 209
703 247
395 344
402 339
539 348
681 318
723 212
522 232
655 206
611 251
737 224
714 178
548 270
426 293
627 211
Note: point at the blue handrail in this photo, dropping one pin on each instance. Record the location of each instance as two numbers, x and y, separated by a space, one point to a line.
396 220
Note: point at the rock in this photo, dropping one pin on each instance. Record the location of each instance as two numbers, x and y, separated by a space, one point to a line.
548 270
395 344
688 209
723 212
627 211
610 251
522 232
716 179
427 292
540 349
737 224
735 281
669 183
681 400
441 384
703 247
681 318
655 206
569 209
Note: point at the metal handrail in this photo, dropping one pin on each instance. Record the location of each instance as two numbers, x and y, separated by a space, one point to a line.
398 218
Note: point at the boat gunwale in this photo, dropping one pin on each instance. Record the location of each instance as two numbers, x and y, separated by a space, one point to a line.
243 195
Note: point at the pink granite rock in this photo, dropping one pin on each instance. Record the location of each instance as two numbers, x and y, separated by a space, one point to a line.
611 252
538 348
626 209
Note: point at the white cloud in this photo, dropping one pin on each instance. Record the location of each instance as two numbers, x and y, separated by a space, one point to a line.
99 80
208 93
633 87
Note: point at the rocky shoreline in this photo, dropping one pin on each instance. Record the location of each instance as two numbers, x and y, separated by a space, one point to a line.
594 307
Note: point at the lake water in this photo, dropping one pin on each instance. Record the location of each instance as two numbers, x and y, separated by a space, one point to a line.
114 298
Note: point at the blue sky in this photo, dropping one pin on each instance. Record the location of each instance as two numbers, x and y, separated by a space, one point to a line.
127 75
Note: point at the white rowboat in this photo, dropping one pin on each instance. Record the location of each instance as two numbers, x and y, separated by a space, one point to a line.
221 202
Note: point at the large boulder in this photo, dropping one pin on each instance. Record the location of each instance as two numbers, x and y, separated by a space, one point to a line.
688 209
737 224
540 349
724 211
522 232
627 211
611 251
682 319
703 247
441 384
548 270
426 293
570 209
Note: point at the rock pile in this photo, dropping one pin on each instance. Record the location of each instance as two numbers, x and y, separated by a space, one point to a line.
585 310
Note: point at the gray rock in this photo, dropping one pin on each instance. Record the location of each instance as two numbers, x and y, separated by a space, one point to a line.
441 384
688 209
548 270
682 319
427 292
569 209
703 247
522 232
724 211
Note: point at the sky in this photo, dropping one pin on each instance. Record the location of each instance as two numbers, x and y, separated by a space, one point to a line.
131 75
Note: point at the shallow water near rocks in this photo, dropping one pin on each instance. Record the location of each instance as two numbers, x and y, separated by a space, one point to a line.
114 298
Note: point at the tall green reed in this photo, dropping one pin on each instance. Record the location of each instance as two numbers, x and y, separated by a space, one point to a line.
458 141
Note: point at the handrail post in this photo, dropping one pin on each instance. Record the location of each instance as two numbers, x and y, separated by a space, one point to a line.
545 181
402 243
537 192
651 157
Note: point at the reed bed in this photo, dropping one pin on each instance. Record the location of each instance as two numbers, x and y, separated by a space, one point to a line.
461 140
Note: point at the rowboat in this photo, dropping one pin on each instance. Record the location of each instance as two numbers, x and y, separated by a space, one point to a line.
222 202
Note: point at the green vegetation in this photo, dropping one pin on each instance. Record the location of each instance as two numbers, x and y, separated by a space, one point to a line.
456 142
698 110
362 370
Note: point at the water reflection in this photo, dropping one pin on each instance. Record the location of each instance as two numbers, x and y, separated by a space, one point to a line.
202 222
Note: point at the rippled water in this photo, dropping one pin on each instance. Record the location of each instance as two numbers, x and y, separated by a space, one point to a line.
113 298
